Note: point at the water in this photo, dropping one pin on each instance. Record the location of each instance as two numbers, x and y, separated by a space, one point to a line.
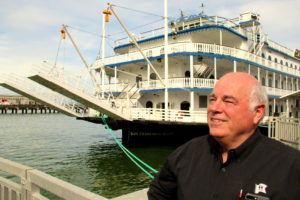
76 151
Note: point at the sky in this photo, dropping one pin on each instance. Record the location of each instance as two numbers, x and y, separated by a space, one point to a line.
30 29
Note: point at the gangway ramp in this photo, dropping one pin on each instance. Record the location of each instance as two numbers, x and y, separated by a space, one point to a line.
24 87
69 89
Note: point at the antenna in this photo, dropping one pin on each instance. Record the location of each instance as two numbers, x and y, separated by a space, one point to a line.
202 9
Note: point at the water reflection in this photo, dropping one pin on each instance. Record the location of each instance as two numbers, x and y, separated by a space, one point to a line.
115 174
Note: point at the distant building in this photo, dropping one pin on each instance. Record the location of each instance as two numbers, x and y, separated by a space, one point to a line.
16 100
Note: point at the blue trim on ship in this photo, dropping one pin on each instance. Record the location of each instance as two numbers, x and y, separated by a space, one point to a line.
282 53
209 55
178 89
204 27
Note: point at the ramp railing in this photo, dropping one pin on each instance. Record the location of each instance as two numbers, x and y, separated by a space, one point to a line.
54 99
286 130
80 84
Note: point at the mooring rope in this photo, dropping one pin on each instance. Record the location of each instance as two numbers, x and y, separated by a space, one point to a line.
128 153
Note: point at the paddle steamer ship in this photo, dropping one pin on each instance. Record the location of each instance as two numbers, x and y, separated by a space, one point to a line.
162 78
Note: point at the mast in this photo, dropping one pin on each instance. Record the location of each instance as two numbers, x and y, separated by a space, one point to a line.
166 57
103 53
134 41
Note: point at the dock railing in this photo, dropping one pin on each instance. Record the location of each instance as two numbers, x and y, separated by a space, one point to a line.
286 130
31 181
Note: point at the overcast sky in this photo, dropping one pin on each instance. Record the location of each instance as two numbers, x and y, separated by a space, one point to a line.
29 29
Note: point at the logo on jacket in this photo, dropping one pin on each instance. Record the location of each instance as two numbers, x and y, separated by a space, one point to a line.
260 188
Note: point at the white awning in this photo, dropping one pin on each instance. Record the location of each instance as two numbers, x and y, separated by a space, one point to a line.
293 94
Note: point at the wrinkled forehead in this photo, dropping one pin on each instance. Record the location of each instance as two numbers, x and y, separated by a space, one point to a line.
232 87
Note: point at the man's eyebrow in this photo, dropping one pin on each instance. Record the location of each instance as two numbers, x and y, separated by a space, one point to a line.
229 97
212 95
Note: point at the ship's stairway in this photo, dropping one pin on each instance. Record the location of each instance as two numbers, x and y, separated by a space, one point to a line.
202 70
256 43
73 88
27 88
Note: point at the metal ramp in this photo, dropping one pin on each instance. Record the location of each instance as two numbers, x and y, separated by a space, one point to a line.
77 90
24 87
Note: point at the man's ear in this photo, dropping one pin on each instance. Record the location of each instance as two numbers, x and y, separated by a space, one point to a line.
259 112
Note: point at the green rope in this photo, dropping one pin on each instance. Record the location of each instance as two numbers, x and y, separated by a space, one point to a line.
129 154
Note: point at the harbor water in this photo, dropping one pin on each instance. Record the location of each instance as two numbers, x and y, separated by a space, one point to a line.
79 152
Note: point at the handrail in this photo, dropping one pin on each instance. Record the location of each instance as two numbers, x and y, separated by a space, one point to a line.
32 180
278 127
156 114
42 94
204 48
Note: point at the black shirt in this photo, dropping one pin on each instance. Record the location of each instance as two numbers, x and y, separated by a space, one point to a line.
260 166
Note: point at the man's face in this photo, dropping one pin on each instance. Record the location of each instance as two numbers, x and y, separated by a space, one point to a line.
228 114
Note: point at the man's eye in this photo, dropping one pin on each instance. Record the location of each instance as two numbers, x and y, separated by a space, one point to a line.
231 102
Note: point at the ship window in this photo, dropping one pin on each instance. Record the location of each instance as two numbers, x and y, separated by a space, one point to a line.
263 81
180 28
185 105
197 24
270 83
275 60
270 110
187 74
202 101
291 65
276 83
287 64
149 104
281 62
270 58
263 55
153 76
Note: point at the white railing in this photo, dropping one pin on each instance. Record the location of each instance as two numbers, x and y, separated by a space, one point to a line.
212 20
179 83
277 91
43 94
199 47
281 48
286 130
172 115
194 83
32 181
84 87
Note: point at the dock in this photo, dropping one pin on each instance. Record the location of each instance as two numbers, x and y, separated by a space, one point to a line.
26 109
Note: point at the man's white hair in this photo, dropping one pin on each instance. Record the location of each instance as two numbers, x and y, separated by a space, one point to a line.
258 96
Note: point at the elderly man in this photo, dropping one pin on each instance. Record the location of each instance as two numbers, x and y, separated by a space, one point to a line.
234 161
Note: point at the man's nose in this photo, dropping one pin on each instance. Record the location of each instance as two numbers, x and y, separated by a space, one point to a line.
215 106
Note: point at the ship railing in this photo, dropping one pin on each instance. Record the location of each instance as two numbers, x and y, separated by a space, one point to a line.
281 48
277 91
140 36
199 47
286 130
30 182
179 83
81 81
208 20
155 114
40 92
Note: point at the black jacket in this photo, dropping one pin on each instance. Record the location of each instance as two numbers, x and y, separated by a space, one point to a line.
260 166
